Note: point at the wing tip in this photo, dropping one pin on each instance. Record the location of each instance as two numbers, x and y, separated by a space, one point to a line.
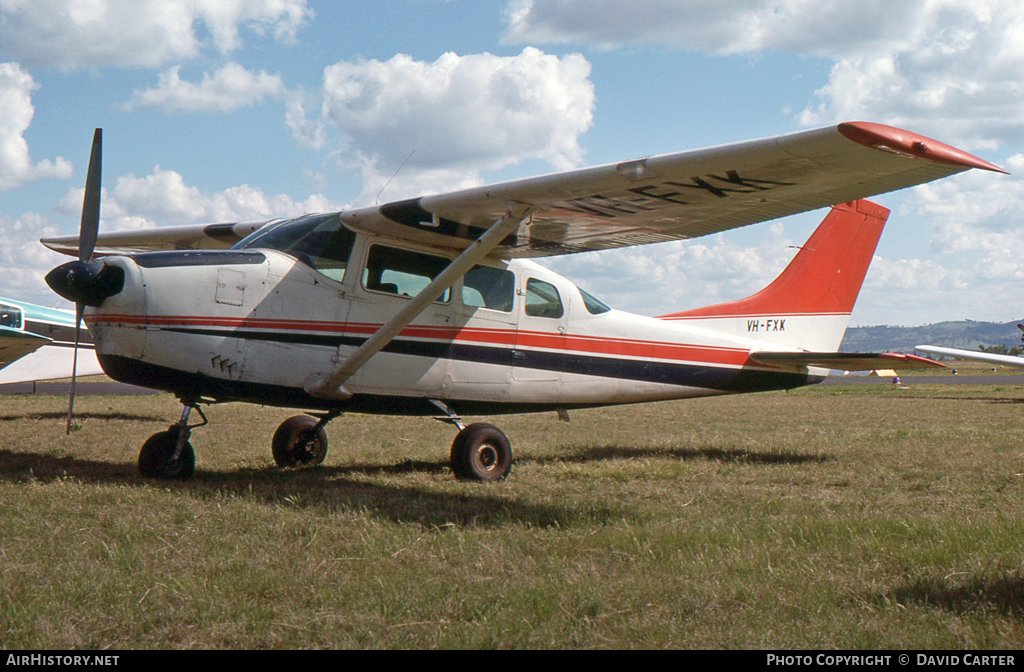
892 139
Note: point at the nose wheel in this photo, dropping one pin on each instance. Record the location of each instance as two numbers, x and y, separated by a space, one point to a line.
169 455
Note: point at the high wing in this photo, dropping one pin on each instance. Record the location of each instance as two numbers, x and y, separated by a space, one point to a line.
187 237
991 358
648 200
847 361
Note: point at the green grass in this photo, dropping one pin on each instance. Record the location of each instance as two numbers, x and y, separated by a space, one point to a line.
846 517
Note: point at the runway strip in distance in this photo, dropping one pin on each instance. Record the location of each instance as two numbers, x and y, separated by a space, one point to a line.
63 389
947 379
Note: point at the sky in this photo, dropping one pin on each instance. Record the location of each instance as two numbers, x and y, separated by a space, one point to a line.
234 110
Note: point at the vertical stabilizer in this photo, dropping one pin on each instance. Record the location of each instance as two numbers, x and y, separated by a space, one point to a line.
808 306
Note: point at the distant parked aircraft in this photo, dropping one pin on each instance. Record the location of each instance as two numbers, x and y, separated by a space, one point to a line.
38 343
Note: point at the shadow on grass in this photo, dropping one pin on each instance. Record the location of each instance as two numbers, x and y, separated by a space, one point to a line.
60 415
475 504
980 595
575 454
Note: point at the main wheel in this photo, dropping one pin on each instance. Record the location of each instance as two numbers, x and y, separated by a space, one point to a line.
295 443
156 459
481 452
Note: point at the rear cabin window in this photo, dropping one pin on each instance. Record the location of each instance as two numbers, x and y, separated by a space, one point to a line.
395 271
491 288
542 299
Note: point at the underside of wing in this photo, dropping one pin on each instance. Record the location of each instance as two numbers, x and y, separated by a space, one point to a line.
15 344
847 361
677 196
188 237
647 200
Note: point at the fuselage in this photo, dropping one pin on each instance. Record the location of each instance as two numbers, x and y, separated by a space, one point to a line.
256 323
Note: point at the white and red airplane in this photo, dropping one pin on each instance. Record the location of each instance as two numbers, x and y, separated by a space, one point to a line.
431 306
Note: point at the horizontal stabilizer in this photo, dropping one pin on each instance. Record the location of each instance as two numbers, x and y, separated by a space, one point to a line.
847 361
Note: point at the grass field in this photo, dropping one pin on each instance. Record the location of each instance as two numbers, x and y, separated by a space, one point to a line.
847 516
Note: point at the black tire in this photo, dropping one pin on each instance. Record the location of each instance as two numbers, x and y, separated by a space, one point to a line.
481 452
155 458
295 443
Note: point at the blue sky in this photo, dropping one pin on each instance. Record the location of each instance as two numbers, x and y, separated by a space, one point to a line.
221 110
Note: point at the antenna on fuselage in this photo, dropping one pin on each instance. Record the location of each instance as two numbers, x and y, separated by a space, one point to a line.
376 201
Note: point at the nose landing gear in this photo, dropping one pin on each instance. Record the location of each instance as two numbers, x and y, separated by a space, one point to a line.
169 455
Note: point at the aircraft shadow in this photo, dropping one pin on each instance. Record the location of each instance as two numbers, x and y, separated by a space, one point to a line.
325 487
574 454
60 415
988 595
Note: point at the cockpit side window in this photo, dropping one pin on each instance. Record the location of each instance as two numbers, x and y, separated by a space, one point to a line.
319 241
542 299
10 316
487 287
395 271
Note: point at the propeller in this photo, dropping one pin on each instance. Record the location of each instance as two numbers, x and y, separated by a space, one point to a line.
87 282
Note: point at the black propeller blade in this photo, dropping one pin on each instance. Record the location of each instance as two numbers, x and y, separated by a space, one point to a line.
86 282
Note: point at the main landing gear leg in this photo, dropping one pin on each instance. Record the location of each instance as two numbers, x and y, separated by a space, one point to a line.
480 452
301 441
169 455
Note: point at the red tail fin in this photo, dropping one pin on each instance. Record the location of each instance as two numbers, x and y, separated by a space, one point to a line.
823 279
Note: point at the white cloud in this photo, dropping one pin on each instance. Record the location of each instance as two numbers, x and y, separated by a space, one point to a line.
227 89
76 34
947 67
459 115
16 112
816 27
23 261
163 198
310 134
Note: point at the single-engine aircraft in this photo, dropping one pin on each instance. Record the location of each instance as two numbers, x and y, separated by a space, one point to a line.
38 343
431 306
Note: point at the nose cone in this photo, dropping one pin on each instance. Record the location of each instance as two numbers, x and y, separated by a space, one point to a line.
86 282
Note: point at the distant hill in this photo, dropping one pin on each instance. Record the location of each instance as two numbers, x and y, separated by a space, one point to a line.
967 335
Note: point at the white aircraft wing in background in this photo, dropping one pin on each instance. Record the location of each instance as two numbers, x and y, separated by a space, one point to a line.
991 358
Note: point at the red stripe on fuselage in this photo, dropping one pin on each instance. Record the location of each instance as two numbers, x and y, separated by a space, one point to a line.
616 347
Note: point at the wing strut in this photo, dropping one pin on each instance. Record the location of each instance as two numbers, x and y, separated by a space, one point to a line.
331 386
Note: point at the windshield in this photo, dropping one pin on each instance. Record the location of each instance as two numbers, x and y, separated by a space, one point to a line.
595 306
319 241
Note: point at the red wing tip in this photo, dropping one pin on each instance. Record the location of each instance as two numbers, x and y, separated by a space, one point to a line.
912 358
892 139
